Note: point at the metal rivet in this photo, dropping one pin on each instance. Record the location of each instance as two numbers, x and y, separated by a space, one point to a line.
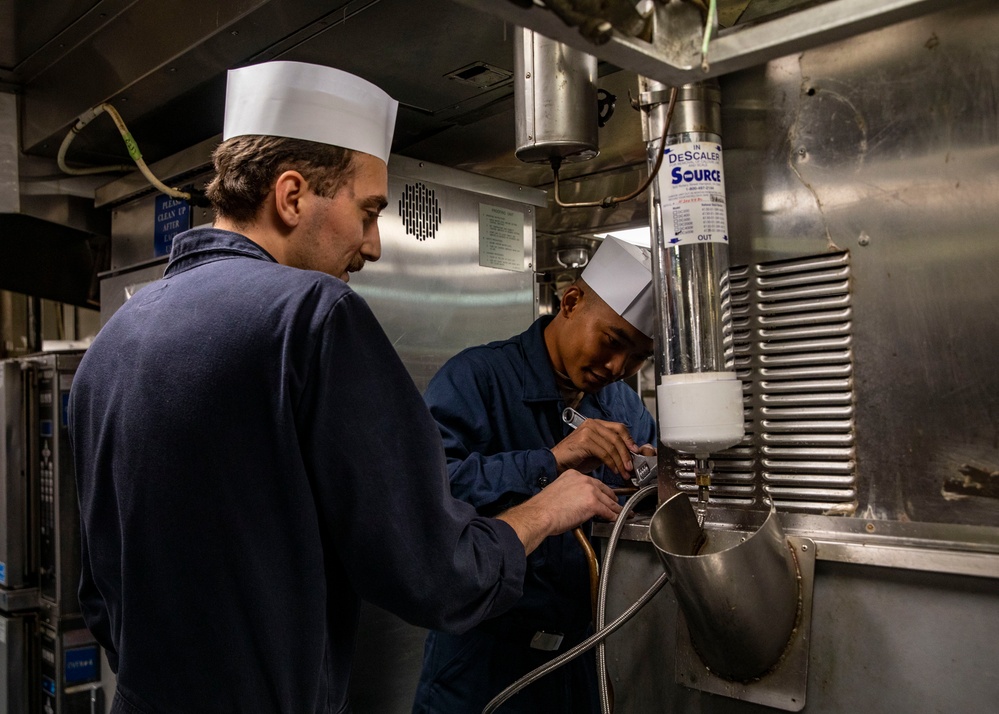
527 76
869 527
804 547
864 239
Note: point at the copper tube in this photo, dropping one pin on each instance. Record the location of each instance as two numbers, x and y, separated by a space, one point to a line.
611 201
591 559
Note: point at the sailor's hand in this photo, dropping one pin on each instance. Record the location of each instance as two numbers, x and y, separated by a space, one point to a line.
596 442
571 499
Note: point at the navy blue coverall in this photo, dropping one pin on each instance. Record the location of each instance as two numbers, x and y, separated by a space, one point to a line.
252 458
499 410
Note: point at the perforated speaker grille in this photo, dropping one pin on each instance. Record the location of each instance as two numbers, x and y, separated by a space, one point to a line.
420 211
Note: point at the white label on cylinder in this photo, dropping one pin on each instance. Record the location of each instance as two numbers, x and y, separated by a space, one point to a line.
693 184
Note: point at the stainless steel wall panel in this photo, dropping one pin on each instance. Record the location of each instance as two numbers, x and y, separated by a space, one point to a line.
887 145
431 295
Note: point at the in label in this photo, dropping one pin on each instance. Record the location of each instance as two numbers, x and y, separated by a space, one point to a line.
693 187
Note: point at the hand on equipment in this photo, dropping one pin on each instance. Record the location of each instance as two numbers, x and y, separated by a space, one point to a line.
594 442
569 500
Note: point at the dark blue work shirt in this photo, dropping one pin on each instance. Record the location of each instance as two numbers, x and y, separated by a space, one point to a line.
499 410
252 458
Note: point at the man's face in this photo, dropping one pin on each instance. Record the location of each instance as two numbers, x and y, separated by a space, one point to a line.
341 233
600 346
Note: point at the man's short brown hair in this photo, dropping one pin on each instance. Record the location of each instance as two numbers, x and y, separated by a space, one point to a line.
247 166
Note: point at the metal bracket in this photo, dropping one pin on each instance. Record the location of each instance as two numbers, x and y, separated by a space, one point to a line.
674 56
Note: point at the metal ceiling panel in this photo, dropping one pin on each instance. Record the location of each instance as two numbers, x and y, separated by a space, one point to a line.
163 66
26 27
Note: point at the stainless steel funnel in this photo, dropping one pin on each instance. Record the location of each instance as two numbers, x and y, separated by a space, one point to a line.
739 593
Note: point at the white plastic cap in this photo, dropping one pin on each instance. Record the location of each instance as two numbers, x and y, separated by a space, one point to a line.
307 101
700 413
621 274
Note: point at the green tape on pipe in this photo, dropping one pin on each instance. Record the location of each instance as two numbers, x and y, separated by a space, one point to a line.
133 148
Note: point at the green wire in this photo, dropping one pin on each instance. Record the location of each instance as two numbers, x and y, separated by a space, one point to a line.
709 26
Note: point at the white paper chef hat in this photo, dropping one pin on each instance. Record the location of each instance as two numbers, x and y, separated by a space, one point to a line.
621 274
307 101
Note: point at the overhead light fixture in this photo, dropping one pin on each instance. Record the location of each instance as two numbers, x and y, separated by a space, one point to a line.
636 236
572 257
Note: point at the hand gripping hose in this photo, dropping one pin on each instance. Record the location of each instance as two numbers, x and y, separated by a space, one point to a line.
602 632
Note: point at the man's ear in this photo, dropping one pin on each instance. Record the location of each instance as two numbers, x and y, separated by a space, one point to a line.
290 191
571 299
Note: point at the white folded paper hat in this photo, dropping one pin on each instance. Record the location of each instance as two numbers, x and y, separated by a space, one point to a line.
307 101
621 274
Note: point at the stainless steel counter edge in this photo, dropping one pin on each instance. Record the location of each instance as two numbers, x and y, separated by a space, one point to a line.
933 552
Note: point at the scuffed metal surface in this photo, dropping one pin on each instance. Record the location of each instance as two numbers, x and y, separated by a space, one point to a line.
886 145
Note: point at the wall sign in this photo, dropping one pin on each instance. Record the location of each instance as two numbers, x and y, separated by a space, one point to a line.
173 216
501 238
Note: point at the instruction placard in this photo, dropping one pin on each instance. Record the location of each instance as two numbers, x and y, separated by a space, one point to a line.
501 238
694 194
173 216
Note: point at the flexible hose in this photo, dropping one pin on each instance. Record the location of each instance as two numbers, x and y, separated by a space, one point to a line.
602 674
133 151
601 633
81 121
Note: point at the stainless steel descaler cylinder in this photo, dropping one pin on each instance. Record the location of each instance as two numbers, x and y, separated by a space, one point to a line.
699 396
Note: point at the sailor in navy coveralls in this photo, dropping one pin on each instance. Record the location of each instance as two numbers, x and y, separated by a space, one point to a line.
499 410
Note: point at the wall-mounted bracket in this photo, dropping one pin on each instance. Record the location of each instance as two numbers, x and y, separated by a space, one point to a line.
674 56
